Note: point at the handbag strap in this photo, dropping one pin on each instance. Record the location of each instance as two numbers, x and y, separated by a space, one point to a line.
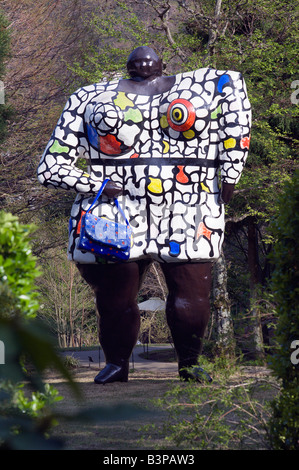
115 201
121 211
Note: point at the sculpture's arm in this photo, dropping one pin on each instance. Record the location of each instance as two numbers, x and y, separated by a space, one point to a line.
57 167
234 133
227 191
69 142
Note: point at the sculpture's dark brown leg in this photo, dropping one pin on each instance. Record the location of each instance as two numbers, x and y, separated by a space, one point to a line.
188 309
116 287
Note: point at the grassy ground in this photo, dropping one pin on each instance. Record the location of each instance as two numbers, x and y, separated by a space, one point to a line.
141 391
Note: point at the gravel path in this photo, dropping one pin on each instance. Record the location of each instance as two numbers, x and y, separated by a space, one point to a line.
136 361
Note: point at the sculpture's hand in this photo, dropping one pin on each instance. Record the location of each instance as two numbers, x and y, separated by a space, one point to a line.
112 189
226 193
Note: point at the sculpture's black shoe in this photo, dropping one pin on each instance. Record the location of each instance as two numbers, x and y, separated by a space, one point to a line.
195 373
112 373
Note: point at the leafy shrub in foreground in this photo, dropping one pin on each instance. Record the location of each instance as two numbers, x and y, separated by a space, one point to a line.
28 347
284 424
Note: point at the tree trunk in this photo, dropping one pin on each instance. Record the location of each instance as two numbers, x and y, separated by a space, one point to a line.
224 326
214 31
255 283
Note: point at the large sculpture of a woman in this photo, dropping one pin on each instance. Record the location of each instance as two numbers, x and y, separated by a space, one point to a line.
173 148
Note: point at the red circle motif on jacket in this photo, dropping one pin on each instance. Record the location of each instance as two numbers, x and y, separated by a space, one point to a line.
181 115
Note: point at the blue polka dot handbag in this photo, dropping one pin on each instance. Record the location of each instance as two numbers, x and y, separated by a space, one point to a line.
105 238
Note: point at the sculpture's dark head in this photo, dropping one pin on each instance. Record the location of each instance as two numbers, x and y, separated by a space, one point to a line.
144 63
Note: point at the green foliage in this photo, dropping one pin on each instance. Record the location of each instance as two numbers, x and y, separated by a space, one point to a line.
38 400
28 348
285 286
25 419
224 414
71 362
261 43
115 33
18 269
29 351
4 42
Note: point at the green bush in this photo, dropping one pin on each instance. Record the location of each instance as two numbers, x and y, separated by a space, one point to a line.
28 347
228 414
18 269
284 424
